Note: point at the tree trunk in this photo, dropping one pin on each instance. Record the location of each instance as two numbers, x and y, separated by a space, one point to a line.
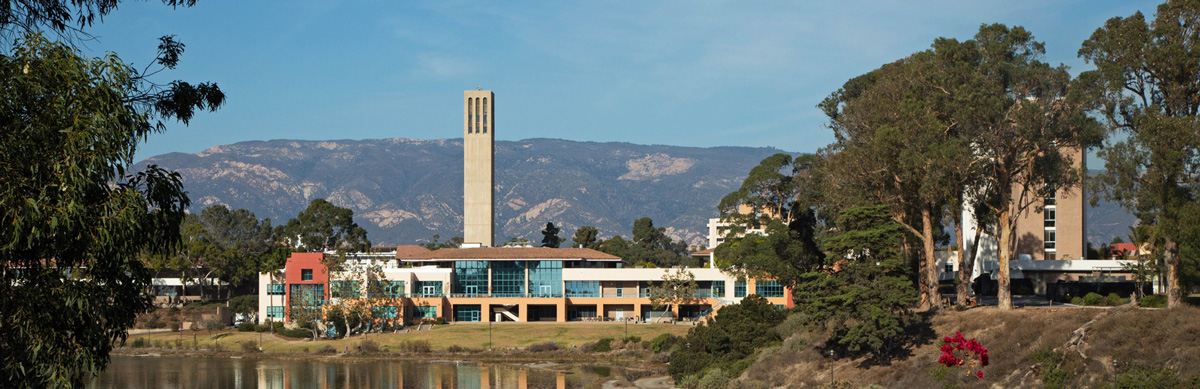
930 269
1171 262
964 275
1003 293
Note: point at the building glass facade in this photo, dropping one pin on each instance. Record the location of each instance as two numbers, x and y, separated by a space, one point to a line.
768 288
466 312
307 294
424 312
470 278
275 289
430 288
583 288
343 289
384 312
390 289
508 278
275 311
545 278
739 289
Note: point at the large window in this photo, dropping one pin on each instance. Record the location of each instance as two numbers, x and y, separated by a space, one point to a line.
583 288
430 288
470 278
1050 240
384 312
424 312
508 279
718 288
545 278
768 288
275 311
275 289
466 313
739 289
1049 216
343 289
306 274
307 294
391 289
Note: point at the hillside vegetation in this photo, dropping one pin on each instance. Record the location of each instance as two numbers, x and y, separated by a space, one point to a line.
1063 348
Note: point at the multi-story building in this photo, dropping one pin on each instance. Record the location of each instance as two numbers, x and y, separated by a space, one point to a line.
521 284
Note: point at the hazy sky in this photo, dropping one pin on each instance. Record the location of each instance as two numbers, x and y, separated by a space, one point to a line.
688 73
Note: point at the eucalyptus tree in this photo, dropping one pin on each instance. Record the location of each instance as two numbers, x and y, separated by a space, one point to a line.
1020 115
324 226
1145 86
899 145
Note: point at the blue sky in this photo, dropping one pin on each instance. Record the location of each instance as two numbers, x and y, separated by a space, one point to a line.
687 73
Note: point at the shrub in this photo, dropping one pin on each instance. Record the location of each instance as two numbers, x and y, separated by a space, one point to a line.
327 349
248 326
1145 377
175 326
1078 301
663 343
138 343
294 333
544 346
1093 298
278 325
1154 301
1051 374
262 328
632 339
415 346
454 348
603 345
217 347
249 347
714 379
369 347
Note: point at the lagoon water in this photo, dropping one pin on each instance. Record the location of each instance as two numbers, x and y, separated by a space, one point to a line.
193 372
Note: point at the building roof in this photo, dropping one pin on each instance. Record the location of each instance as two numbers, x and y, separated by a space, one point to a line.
512 253
408 250
703 253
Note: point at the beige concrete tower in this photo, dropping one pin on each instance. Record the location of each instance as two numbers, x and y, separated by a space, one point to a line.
478 157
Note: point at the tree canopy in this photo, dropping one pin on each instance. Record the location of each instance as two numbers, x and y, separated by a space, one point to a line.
324 226
550 236
1144 87
76 219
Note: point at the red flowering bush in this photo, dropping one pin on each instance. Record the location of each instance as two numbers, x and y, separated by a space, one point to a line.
958 351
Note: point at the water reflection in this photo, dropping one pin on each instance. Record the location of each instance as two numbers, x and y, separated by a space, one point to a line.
189 372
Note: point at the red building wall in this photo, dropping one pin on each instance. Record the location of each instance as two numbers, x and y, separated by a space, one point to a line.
294 270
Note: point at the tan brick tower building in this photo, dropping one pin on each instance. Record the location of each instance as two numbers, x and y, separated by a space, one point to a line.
479 122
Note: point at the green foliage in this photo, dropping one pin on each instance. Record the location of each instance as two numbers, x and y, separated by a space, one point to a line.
324 226
1140 376
245 305
1078 301
663 342
75 218
1093 298
785 253
369 347
650 244
714 379
414 346
865 303
294 332
1154 301
586 237
434 244
247 326
603 345
250 347
729 340
1144 87
544 346
1052 375
675 288
550 236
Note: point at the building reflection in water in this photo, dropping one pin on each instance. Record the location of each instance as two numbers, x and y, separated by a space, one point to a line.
185 372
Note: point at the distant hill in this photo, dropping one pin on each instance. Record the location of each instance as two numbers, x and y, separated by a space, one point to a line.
406 190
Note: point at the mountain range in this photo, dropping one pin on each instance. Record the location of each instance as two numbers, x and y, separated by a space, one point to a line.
404 191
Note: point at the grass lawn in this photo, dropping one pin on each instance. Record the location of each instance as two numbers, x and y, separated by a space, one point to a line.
473 335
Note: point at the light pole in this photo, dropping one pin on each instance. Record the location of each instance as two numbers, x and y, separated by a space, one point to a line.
830 368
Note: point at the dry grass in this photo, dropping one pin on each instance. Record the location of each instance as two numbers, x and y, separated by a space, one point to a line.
1151 338
470 336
